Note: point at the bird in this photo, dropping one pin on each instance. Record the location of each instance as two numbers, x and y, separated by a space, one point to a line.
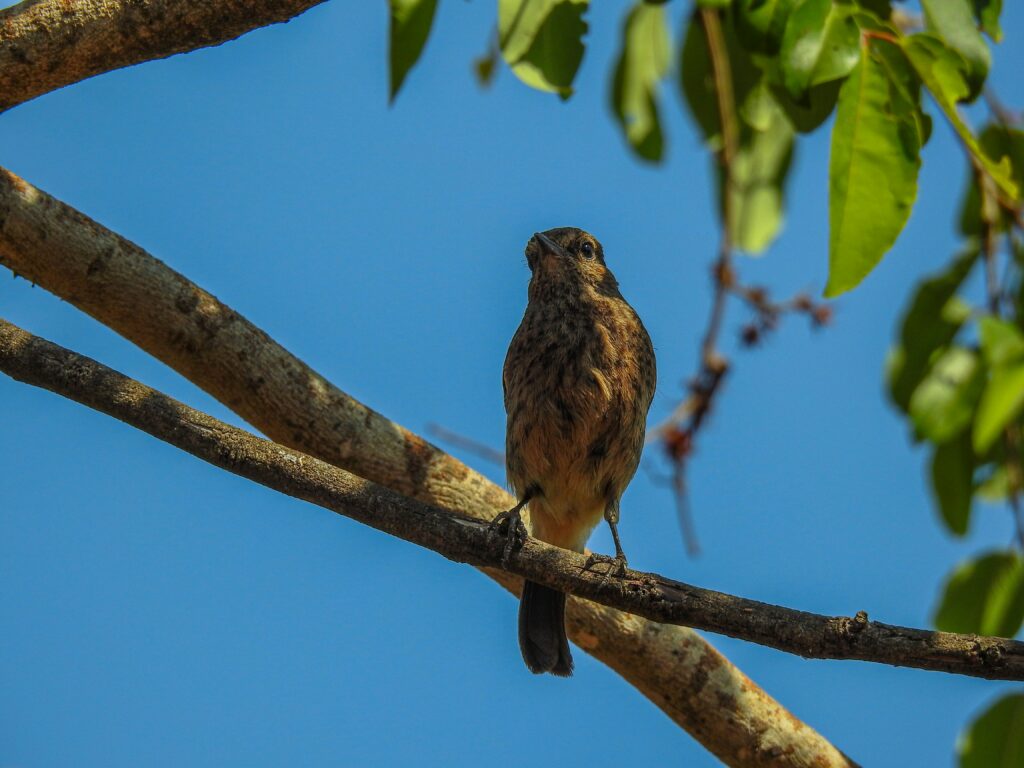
578 382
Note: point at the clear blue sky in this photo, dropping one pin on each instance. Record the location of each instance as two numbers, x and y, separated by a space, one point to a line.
155 611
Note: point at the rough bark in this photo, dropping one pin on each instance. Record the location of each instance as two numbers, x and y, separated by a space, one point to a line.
47 44
139 297
469 540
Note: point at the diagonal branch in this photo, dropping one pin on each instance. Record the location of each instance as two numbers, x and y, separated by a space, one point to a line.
139 297
468 540
47 44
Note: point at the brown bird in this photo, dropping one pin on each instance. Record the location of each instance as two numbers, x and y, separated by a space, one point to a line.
579 377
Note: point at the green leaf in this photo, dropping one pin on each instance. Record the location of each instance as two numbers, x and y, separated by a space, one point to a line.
1001 402
876 143
930 323
881 8
943 404
644 61
953 482
542 41
759 174
759 109
698 81
942 69
1001 342
952 21
410 27
813 109
760 24
984 596
987 12
821 43
996 738
996 141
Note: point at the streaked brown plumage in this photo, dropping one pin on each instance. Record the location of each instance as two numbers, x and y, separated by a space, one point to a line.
579 377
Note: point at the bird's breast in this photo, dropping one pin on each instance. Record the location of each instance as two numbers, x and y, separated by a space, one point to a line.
576 412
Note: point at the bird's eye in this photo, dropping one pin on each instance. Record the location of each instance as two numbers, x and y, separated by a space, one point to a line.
587 250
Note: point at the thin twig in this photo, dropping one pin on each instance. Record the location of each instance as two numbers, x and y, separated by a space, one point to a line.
1003 114
730 136
482 450
712 368
458 537
678 432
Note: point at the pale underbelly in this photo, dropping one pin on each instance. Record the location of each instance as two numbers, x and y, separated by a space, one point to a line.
564 523
571 498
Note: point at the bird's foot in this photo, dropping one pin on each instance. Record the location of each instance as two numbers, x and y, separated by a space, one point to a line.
615 566
509 525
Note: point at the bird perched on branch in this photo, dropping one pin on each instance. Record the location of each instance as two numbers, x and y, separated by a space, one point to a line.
579 377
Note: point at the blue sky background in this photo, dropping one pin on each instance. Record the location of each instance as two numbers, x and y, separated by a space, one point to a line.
155 611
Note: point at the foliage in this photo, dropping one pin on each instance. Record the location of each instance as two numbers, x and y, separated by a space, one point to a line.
996 738
643 62
542 41
762 75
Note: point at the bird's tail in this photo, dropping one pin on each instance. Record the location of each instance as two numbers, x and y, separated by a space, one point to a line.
542 630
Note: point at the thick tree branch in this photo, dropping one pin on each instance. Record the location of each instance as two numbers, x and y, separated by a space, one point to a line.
138 296
47 44
468 540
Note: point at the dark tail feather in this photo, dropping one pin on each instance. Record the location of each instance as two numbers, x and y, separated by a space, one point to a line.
542 630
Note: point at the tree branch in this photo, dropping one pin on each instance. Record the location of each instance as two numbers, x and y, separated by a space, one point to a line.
468 540
139 297
47 44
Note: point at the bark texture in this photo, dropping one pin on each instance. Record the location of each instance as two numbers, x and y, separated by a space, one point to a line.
466 539
122 286
47 44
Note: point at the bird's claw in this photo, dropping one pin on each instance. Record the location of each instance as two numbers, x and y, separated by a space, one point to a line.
509 525
616 566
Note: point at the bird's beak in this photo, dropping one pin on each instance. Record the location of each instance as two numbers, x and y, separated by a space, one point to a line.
547 246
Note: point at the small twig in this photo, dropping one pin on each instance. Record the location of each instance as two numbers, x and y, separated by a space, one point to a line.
678 432
466 539
768 312
467 443
1003 114
722 271
1007 118
877 34
678 441
683 512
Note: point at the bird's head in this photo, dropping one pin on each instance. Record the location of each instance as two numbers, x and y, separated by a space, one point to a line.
569 255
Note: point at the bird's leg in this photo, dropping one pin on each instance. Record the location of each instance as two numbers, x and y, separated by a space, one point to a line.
616 565
510 525
620 556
